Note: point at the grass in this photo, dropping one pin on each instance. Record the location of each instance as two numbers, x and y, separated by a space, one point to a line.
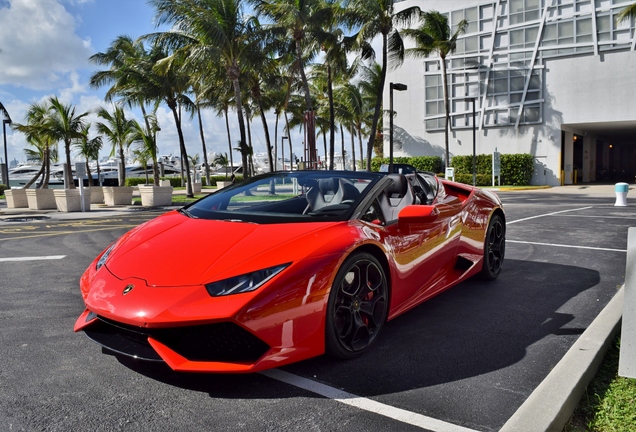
176 199
609 403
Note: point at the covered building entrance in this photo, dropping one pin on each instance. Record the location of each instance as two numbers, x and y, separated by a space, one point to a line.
598 152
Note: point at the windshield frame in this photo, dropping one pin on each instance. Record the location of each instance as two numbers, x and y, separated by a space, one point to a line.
204 208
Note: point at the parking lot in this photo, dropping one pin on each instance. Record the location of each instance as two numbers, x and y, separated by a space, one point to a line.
465 360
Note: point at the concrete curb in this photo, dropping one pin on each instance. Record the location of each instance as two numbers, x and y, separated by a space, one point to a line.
552 403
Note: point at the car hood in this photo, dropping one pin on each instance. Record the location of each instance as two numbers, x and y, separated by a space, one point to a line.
176 250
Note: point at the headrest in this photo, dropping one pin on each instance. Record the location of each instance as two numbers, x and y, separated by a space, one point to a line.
399 187
328 185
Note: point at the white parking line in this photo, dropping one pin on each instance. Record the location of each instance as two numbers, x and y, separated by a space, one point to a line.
547 214
37 258
370 405
566 246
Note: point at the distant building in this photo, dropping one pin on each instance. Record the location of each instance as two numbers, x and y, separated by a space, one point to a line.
554 78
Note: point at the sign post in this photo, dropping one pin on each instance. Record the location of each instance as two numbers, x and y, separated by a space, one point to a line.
80 172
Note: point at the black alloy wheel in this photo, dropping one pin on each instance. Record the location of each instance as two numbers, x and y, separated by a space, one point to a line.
494 248
358 306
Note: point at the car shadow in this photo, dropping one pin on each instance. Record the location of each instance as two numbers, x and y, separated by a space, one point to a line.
472 329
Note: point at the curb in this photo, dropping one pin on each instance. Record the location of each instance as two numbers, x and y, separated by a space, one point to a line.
552 403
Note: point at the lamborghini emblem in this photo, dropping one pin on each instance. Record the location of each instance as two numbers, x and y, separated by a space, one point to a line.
128 289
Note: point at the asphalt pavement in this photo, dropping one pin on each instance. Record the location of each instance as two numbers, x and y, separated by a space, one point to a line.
551 404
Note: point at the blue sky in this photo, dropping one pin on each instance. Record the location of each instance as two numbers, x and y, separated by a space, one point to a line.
45 48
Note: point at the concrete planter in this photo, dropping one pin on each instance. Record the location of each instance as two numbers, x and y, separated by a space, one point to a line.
155 196
196 187
41 199
69 200
121 195
164 182
222 184
97 194
16 198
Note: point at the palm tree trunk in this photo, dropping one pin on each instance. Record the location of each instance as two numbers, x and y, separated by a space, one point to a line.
229 140
311 131
184 153
30 182
205 151
47 166
88 172
378 103
69 169
332 117
241 121
342 146
360 142
122 166
353 149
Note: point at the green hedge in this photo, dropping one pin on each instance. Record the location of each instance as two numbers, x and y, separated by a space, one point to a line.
516 169
3 188
176 181
421 163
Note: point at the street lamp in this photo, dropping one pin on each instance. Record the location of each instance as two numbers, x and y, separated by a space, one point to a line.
282 149
398 87
472 100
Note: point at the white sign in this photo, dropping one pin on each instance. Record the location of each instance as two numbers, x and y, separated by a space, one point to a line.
80 170
450 174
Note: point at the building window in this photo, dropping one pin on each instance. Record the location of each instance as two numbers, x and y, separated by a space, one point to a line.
524 11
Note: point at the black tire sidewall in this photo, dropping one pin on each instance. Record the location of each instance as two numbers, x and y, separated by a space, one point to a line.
333 346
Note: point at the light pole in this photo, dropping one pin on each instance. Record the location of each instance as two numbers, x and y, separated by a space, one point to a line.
472 100
5 122
398 87
282 149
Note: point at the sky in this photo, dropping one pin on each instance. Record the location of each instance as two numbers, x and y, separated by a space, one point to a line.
45 46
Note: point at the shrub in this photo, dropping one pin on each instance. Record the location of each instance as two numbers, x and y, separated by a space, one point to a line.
516 169
3 188
421 163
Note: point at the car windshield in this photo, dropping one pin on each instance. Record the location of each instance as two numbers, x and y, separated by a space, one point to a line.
301 196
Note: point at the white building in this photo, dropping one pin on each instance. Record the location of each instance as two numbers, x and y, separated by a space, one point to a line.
554 78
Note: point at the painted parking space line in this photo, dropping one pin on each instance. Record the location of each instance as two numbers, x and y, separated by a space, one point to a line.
49 234
566 246
548 214
369 405
35 258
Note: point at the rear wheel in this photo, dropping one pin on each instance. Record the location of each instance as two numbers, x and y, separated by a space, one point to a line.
358 306
494 248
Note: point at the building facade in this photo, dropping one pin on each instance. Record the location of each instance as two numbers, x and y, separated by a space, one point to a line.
553 78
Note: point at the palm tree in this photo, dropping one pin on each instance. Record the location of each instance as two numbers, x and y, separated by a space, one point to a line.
628 12
89 149
434 35
222 160
300 21
126 78
378 18
214 31
65 126
38 134
120 132
147 147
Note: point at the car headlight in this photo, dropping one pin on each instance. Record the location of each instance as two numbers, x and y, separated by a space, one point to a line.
102 260
244 283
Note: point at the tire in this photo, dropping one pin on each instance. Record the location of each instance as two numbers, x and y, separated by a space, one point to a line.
494 248
358 306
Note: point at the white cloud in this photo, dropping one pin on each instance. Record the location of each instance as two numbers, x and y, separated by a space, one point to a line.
39 44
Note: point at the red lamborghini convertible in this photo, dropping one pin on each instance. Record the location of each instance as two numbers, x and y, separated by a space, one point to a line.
287 266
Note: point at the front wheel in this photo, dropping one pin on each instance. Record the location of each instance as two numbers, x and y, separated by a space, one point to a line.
494 248
357 308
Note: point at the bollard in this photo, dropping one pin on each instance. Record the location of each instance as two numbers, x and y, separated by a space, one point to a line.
621 194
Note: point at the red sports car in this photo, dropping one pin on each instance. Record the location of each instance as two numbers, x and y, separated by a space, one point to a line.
287 266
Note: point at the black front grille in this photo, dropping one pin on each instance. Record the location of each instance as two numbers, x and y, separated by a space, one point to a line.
224 342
